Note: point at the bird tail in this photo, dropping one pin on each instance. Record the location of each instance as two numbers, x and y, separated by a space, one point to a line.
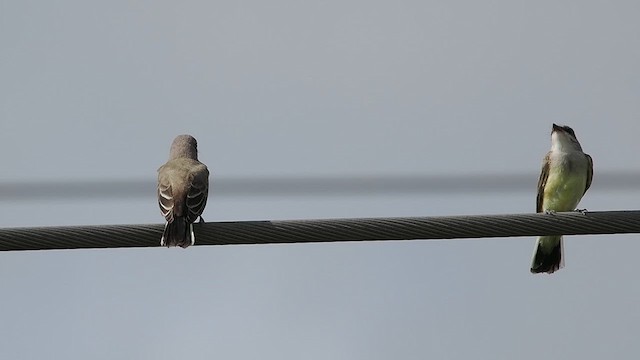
548 255
178 233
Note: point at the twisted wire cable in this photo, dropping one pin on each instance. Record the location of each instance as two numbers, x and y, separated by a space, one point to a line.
327 230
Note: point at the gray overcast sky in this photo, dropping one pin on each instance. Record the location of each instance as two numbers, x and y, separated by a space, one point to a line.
97 90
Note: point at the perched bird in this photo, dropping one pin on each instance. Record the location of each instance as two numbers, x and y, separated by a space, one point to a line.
183 187
565 178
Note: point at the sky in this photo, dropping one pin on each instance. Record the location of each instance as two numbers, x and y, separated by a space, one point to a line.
96 91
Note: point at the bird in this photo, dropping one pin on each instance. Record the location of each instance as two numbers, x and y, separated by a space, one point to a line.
183 189
566 176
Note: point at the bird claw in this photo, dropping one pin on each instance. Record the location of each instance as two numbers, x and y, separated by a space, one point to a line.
582 211
550 212
201 220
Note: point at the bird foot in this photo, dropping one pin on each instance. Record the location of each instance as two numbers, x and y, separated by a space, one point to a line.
550 212
582 211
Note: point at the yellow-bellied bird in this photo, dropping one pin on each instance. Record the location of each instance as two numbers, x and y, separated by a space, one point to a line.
565 178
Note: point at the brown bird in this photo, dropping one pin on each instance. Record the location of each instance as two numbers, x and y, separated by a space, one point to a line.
183 188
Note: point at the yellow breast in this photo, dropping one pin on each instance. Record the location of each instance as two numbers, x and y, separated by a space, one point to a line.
563 190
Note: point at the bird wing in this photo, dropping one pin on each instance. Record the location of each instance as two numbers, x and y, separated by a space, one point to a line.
589 173
542 182
198 193
165 199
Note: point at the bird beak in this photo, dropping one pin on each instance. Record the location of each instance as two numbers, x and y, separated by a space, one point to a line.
556 128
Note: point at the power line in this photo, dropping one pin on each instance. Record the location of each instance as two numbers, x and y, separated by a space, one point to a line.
329 230
306 186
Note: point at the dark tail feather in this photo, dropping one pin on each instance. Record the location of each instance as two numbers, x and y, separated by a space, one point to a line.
178 233
548 255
